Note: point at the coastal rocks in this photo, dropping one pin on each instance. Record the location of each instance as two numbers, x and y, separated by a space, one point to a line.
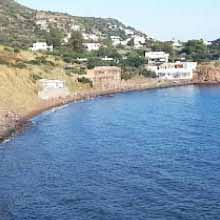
208 72
10 123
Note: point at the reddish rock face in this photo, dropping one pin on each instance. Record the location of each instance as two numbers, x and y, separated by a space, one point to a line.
209 72
9 123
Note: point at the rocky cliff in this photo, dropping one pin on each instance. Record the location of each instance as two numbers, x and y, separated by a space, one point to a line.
208 72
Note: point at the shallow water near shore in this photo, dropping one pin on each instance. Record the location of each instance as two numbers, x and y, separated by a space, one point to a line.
140 155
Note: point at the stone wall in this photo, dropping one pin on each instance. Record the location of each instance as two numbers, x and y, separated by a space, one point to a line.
105 77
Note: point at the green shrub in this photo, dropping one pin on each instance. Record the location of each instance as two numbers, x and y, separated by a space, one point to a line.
19 65
85 80
40 61
36 77
147 73
16 50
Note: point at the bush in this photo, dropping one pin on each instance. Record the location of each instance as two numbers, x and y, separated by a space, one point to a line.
85 80
40 60
78 71
129 73
16 50
93 62
134 60
19 65
67 59
36 77
148 74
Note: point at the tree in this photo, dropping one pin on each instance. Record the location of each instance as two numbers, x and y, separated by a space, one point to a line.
131 42
76 41
108 52
134 60
196 50
55 38
166 47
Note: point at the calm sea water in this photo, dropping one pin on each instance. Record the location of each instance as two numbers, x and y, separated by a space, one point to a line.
144 155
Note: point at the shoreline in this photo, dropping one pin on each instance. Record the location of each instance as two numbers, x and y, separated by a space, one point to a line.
20 125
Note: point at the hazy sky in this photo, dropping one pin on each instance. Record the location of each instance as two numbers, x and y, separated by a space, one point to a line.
163 19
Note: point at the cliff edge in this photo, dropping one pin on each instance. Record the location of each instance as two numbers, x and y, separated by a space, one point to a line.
208 73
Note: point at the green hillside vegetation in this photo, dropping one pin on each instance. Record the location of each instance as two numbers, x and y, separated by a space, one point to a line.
19 28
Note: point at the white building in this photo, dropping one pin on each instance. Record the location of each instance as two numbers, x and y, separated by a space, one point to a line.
108 59
41 46
155 58
75 27
207 43
129 32
174 71
51 84
92 37
50 89
67 38
177 45
125 42
92 46
43 25
139 42
82 60
116 40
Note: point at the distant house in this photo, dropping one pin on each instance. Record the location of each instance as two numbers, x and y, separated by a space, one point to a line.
129 32
156 58
50 89
177 45
105 76
116 40
82 60
41 46
67 38
90 37
108 59
75 27
139 42
92 46
43 25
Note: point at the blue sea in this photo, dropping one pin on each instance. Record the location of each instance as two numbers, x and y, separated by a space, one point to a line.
134 156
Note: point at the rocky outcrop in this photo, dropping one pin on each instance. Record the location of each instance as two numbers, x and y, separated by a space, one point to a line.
208 72
10 122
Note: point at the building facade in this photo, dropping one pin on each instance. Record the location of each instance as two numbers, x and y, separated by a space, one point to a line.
52 89
116 40
41 46
105 77
156 58
92 46
174 71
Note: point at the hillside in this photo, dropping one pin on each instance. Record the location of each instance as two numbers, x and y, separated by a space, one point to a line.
21 26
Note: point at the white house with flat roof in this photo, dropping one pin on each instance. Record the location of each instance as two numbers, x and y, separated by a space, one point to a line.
51 89
116 40
174 71
92 46
157 58
91 37
41 46
139 42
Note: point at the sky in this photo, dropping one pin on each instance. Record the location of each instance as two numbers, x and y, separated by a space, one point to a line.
161 19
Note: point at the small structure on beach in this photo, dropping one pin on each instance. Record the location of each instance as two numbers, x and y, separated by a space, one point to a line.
50 89
105 77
